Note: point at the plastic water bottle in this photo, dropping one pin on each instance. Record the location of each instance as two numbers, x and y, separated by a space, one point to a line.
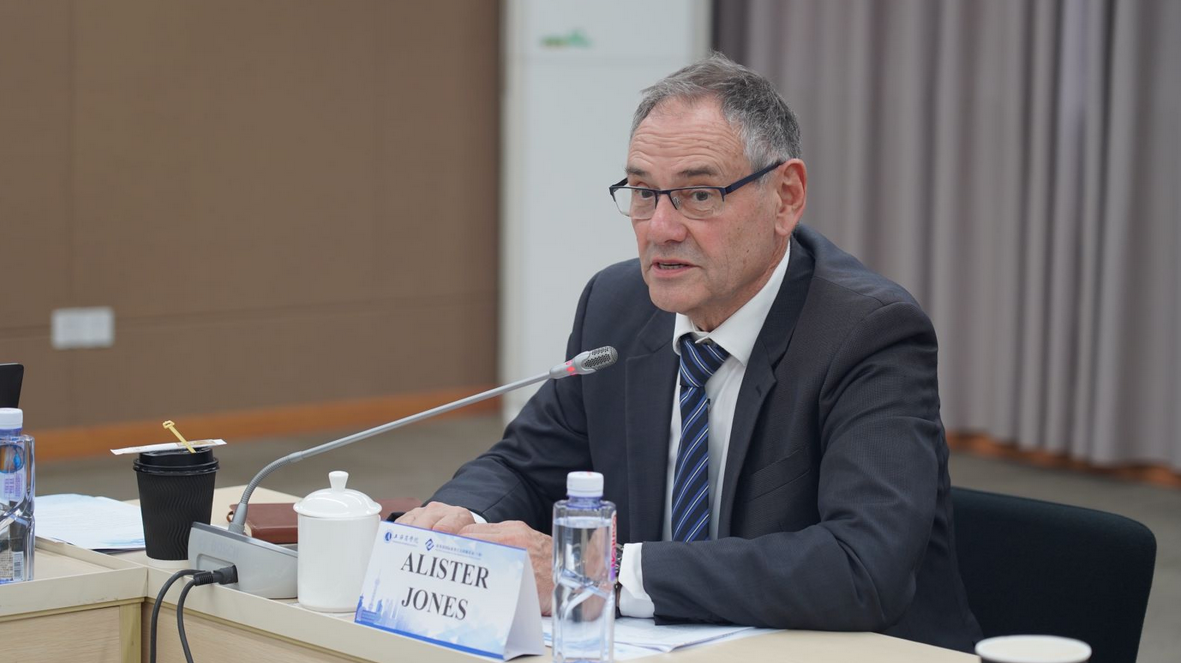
584 572
16 498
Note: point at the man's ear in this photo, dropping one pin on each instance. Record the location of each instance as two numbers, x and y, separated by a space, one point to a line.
792 194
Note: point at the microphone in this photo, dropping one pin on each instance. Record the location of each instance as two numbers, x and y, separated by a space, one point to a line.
585 363
268 570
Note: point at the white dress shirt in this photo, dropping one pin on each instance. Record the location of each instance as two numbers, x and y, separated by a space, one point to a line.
737 335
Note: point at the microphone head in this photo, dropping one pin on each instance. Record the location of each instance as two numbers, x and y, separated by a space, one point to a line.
586 363
594 360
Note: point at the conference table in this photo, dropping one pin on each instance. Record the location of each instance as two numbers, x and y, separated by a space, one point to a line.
95 607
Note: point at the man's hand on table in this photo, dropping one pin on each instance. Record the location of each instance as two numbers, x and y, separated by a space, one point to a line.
539 546
439 517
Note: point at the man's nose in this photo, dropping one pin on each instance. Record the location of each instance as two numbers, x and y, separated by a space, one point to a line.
667 223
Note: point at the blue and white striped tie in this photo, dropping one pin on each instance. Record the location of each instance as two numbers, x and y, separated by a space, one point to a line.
690 513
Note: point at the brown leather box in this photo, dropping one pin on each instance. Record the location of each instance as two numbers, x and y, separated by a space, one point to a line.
277 522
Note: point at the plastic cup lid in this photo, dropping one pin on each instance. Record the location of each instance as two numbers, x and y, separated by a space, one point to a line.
176 460
584 484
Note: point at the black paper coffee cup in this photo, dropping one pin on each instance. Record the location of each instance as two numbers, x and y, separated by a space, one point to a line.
175 490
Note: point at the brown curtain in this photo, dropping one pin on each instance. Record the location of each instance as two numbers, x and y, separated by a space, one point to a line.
1017 166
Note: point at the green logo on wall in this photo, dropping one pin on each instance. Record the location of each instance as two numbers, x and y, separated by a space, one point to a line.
576 38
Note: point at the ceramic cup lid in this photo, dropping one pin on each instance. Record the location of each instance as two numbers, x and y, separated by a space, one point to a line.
337 502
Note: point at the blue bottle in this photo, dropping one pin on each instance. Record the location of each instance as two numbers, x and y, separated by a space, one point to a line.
16 499
584 572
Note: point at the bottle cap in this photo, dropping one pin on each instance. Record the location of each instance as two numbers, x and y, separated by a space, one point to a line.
11 418
337 502
584 484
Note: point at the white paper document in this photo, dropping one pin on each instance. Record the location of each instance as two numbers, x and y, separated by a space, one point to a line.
642 637
645 633
94 523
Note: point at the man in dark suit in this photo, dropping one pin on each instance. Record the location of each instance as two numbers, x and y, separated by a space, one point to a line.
772 438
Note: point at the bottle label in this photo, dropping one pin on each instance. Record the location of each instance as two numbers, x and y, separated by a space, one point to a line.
12 474
12 486
8 564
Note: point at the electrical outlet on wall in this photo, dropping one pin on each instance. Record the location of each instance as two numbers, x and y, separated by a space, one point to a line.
91 327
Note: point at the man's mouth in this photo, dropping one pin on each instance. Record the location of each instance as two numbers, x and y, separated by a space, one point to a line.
670 265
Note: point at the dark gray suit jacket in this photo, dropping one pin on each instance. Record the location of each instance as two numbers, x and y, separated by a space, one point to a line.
835 510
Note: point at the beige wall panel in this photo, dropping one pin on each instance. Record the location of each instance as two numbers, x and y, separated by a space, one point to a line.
439 205
164 370
225 154
46 396
284 202
34 163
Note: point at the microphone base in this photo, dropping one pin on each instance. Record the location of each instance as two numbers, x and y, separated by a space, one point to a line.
264 569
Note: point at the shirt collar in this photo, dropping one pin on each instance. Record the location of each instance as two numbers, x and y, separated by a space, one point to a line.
738 333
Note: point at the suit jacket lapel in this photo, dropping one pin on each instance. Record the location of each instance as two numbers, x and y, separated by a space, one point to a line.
648 411
759 378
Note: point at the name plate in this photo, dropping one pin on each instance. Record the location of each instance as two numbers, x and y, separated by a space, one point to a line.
466 594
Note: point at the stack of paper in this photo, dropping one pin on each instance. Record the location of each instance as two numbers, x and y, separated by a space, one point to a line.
645 633
642 637
95 523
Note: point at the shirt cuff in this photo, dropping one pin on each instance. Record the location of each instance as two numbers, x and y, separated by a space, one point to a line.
633 600
477 517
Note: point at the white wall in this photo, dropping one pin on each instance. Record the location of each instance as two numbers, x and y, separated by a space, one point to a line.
574 71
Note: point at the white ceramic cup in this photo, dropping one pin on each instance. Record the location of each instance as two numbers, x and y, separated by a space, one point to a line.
337 527
1033 649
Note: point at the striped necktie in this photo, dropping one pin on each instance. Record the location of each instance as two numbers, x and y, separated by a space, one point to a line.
690 512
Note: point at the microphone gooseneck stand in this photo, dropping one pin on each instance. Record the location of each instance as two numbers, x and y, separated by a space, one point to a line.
268 570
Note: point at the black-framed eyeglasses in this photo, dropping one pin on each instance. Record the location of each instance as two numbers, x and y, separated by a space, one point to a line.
695 202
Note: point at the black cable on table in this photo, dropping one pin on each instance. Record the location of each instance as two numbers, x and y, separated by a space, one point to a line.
227 575
180 620
156 608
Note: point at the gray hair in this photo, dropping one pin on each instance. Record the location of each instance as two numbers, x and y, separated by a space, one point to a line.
767 127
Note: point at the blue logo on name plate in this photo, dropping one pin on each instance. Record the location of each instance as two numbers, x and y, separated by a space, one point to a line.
430 544
400 538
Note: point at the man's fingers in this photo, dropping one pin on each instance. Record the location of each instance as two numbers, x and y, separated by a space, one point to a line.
453 523
515 534
484 535
508 527
409 517
425 518
481 528
496 533
437 516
